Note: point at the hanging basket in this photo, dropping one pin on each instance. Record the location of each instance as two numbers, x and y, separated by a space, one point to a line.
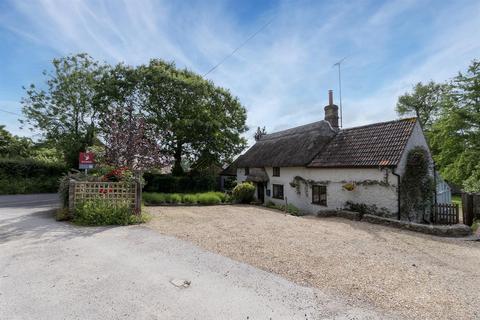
350 186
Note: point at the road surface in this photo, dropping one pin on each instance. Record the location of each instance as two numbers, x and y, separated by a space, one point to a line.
55 270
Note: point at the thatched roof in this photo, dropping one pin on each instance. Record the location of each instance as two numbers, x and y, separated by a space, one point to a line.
288 148
257 175
317 145
378 144
231 170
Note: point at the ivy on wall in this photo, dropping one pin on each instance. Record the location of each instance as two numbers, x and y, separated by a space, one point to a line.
308 183
416 187
348 185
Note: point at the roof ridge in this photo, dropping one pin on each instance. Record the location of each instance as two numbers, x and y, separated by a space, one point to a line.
378 123
267 136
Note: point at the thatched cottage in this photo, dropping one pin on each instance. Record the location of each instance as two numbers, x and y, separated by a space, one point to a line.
319 166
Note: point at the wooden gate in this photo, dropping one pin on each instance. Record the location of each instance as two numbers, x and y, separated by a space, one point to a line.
445 213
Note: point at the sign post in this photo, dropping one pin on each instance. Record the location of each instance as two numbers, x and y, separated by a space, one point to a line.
86 161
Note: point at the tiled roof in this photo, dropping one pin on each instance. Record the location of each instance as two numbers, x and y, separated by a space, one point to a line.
378 144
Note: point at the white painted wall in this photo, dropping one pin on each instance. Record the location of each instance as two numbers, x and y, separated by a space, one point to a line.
381 196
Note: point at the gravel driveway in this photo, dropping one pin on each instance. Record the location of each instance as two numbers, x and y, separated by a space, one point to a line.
413 275
55 270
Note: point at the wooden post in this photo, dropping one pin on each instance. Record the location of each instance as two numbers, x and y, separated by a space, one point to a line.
71 198
467 209
138 198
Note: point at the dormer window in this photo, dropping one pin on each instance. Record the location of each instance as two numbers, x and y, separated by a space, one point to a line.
247 171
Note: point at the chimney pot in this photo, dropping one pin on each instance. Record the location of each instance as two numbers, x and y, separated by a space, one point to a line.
331 111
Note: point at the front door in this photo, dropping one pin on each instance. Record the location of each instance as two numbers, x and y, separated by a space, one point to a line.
260 192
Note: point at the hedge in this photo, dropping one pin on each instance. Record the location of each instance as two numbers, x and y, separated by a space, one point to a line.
29 176
166 183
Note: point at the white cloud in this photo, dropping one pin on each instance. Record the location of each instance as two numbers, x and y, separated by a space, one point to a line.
283 74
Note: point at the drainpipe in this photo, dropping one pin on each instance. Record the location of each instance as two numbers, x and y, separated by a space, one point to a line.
398 192
435 191
435 182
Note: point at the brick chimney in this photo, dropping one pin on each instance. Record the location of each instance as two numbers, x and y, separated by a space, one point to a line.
331 111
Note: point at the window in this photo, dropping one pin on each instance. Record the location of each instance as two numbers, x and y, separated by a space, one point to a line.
319 195
277 191
276 171
247 171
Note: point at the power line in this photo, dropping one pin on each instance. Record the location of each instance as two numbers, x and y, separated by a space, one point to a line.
240 46
14 113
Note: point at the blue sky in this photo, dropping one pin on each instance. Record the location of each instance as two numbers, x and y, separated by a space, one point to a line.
281 76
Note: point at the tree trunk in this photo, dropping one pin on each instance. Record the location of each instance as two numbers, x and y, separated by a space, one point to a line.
177 166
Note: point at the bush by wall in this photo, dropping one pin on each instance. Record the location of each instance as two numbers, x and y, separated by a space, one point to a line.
294 211
29 176
166 183
244 192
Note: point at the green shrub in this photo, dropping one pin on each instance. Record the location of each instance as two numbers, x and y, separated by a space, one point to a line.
175 198
100 212
62 214
271 205
244 192
189 198
153 198
208 198
294 211
223 196
475 226
166 183
29 176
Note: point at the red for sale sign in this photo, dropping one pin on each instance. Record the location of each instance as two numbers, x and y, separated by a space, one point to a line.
86 160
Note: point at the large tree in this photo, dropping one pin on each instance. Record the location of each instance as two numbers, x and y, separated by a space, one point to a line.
455 137
199 121
425 102
65 109
129 140
451 115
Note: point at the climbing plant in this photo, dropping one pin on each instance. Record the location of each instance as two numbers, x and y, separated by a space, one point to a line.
417 187
297 181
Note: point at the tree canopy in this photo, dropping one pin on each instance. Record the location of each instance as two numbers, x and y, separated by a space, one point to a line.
12 146
199 121
425 102
191 118
450 113
66 110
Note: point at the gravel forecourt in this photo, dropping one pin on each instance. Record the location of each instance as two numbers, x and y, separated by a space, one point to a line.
411 275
